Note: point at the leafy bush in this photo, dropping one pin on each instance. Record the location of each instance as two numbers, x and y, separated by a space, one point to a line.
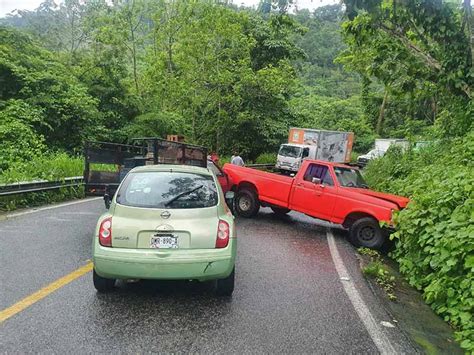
266 158
435 237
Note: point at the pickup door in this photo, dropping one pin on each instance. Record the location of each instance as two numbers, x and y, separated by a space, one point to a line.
316 200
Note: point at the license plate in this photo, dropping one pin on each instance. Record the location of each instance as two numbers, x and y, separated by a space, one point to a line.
164 241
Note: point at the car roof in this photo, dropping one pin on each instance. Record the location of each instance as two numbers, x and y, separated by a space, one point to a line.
172 168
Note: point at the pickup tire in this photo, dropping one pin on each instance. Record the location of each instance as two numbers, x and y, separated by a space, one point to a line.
366 232
246 203
280 211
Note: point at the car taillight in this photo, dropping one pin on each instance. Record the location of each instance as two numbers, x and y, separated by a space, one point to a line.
105 232
223 233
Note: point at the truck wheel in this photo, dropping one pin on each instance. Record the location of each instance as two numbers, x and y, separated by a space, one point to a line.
280 211
225 287
102 284
246 203
366 232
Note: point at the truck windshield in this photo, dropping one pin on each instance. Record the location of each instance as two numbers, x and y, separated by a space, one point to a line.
164 189
350 178
290 151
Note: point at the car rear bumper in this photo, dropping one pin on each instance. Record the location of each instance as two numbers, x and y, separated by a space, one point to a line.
188 264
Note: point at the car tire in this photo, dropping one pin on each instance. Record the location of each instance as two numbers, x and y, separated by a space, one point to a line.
225 287
280 211
103 284
366 232
246 203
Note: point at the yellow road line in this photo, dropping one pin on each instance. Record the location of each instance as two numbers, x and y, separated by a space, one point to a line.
45 291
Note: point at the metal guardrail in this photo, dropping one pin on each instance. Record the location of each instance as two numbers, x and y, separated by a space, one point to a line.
39 185
19 188
261 166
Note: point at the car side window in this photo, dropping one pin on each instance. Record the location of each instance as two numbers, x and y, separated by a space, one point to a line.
320 172
305 153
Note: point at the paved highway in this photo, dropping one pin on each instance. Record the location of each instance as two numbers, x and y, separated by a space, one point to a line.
298 290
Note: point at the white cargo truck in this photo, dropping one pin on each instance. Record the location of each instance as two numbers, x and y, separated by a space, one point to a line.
381 147
304 143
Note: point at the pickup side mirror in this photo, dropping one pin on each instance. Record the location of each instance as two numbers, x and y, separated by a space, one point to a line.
316 181
107 198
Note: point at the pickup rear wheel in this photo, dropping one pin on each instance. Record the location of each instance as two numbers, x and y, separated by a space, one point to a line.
246 203
280 211
366 232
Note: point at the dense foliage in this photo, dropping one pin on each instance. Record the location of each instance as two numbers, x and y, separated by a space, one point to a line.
435 237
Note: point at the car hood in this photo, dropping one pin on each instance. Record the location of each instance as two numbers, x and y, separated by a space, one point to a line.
400 201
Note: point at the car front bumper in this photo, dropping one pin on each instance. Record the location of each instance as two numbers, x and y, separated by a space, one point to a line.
187 264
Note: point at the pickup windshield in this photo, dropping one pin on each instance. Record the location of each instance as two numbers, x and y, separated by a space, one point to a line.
167 190
350 178
290 151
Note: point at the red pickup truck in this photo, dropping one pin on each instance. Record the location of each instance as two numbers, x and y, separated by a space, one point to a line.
324 190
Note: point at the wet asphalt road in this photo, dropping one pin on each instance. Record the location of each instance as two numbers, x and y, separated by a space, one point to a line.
288 296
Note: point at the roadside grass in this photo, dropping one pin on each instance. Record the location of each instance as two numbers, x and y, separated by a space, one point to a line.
53 166
376 270
33 199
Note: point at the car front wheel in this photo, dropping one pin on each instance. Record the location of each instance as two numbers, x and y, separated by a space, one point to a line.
102 284
366 232
225 287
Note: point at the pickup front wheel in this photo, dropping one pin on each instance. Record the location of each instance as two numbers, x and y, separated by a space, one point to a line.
366 232
246 203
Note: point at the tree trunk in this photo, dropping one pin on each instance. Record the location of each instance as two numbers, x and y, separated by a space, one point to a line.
382 113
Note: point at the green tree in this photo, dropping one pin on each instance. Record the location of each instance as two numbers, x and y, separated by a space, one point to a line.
65 114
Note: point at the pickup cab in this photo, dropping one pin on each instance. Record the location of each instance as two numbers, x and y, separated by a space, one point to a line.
329 191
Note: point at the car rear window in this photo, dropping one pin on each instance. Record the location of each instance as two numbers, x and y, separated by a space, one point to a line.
169 190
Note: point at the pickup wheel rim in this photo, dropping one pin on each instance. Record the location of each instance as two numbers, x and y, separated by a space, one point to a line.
367 233
244 203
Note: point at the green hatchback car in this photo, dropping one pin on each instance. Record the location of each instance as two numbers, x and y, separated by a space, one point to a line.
166 222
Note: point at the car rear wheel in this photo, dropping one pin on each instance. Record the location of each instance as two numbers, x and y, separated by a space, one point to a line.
225 287
280 211
102 284
366 232
246 203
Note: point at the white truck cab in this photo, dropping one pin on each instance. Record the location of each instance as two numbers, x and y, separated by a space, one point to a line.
381 147
291 155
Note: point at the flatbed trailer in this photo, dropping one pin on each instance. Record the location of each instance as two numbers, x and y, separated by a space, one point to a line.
124 157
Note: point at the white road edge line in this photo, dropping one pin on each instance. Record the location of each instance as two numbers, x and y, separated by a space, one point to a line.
12 215
378 336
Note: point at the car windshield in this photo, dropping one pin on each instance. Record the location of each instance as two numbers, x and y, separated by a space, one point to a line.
348 177
166 189
290 151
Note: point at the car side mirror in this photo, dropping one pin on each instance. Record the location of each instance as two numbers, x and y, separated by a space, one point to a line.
316 181
107 198
229 198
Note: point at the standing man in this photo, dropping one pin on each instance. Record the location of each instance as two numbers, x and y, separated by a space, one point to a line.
237 160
